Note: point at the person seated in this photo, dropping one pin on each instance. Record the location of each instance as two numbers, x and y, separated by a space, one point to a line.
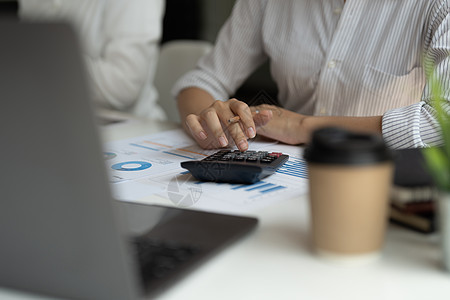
121 42
356 64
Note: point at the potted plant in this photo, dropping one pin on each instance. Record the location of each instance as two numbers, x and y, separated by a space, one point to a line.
438 162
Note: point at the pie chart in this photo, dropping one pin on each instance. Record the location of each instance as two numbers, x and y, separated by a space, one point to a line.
131 166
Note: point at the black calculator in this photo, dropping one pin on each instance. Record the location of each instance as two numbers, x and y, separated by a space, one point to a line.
234 166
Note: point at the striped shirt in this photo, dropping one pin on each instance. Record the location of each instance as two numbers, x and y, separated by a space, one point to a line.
364 58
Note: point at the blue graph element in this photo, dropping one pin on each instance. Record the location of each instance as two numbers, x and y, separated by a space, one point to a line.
276 188
142 165
294 167
262 187
243 186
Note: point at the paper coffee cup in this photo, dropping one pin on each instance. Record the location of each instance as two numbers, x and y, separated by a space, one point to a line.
350 178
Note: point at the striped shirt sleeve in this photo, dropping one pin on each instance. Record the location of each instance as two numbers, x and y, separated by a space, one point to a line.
416 125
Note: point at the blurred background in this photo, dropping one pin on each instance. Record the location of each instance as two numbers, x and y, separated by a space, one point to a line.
193 20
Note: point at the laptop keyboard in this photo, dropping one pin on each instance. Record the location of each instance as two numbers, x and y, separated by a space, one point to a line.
157 259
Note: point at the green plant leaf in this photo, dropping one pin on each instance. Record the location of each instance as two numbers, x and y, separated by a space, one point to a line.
439 166
442 117
438 159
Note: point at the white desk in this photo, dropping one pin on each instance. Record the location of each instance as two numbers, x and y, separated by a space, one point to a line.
276 262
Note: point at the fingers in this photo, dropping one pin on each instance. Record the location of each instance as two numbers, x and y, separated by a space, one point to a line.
262 117
196 129
212 121
203 134
234 130
242 127
211 128
243 111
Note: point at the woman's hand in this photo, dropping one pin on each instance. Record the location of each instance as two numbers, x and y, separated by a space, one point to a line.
211 128
293 128
280 124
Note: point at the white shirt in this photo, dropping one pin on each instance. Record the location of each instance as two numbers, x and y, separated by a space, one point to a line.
364 58
120 39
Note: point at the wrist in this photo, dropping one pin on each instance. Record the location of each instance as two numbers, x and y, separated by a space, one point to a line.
296 129
306 125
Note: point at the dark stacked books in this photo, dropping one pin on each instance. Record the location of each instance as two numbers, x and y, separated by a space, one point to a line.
413 196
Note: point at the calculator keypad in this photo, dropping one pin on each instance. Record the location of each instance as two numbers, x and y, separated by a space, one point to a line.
248 156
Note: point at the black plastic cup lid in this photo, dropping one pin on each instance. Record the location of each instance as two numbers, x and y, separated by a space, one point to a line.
333 145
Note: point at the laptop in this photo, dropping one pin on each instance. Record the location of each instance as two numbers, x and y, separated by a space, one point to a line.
61 232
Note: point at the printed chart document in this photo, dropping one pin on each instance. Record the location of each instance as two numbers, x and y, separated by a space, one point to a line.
150 165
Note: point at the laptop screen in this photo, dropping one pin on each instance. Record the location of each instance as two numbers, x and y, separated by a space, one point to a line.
58 226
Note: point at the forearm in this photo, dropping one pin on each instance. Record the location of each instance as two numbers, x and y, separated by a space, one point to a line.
293 128
119 77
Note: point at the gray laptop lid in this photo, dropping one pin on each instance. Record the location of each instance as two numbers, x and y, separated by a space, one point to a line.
57 229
